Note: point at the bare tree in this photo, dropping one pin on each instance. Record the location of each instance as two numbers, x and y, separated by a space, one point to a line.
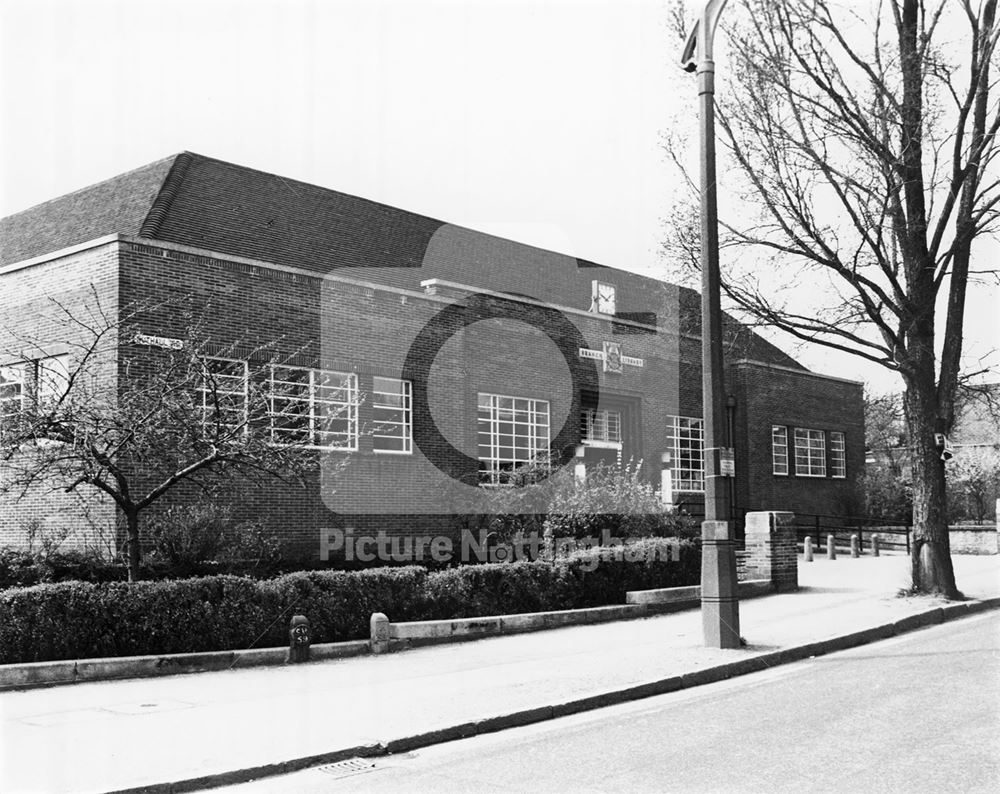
136 418
863 145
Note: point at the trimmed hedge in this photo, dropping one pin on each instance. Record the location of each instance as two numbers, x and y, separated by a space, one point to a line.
74 620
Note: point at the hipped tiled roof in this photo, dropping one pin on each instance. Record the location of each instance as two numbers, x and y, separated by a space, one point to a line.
118 205
193 200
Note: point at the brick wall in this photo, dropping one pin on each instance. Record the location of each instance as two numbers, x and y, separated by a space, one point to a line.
369 330
33 326
769 396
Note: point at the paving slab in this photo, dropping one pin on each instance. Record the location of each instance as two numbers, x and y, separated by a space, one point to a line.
116 735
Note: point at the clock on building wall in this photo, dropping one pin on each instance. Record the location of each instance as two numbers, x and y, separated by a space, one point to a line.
602 297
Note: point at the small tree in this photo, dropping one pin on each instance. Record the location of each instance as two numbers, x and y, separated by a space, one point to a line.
137 422
887 489
974 481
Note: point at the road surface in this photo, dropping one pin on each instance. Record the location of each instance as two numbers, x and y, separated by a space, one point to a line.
919 713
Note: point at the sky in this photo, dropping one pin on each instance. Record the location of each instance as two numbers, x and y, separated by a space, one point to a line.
542 121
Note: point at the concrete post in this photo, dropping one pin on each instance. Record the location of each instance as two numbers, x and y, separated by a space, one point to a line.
831 548
808 548
379 626
855 546
874 545
772 549
720 608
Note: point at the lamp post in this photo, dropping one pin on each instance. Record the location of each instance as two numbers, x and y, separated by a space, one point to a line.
720 609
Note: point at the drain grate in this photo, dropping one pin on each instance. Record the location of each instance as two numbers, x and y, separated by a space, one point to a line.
351 766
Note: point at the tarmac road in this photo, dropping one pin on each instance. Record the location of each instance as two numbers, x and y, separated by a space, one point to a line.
916 713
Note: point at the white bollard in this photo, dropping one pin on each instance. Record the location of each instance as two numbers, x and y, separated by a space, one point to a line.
379 626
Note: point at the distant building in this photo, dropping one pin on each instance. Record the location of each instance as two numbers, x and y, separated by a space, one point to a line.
544 352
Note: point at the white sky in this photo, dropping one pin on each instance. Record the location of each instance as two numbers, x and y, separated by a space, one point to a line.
537 120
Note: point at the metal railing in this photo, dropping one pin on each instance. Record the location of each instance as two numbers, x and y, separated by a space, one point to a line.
893 532
818 526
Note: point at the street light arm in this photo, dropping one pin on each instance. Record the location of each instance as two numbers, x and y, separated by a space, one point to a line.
699 47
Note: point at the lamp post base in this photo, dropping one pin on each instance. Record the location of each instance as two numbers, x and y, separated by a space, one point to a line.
720 607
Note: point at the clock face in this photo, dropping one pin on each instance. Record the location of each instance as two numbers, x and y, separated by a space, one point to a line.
606 299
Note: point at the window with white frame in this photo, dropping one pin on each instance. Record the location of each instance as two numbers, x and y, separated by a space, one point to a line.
51 380
223 393
32 385
838 456
686 443
313 407
392 415
11 392
512 431
810 453
601 426
779 449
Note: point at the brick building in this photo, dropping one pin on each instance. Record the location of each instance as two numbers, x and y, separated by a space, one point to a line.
450 355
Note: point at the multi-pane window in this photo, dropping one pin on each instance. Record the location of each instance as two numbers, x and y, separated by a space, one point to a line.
11 392
810 453
314 407
223 393
32 385
779 449
512 431
51 380
392 415
686 441
838 457
601 426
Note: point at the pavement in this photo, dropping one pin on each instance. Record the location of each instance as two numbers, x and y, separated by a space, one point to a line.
842 722
179 733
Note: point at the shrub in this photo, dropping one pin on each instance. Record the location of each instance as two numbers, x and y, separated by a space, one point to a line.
188 534
204 538
491 589
646 564
613 500
23 568
70 620
887 495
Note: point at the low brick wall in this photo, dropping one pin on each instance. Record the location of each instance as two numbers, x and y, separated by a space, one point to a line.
771 549
974 539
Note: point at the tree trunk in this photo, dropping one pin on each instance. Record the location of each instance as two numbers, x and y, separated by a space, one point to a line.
132 544
931 553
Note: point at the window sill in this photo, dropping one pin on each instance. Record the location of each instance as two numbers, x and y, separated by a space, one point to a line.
313 448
